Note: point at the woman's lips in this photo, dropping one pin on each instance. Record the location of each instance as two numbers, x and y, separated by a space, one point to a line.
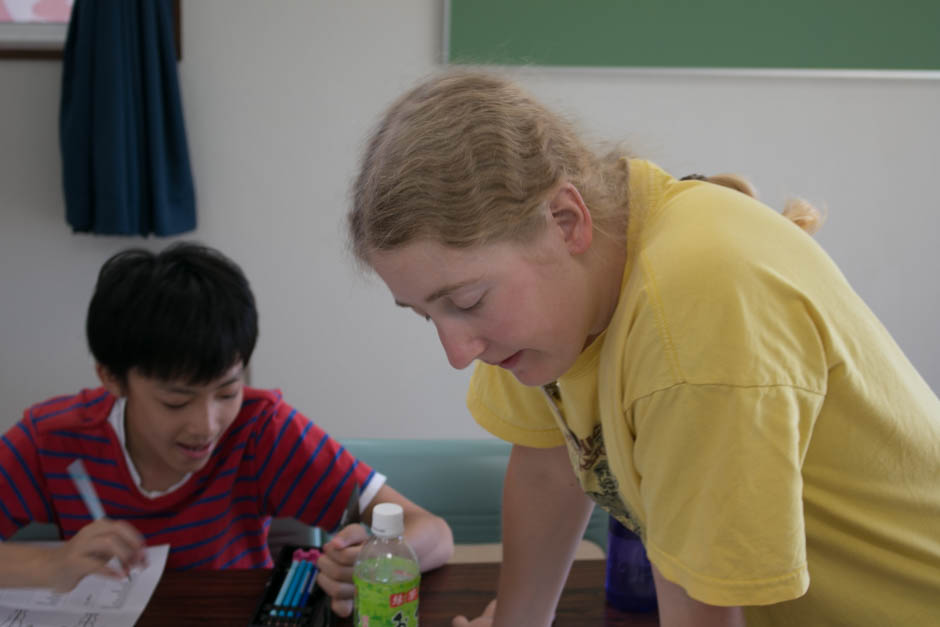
510 361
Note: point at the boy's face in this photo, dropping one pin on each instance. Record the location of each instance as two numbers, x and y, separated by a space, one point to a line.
172 427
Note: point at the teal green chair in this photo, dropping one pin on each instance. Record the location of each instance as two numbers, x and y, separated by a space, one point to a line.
459 480
35 531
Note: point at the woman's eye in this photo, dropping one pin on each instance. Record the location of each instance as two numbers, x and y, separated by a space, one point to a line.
422 314
469 307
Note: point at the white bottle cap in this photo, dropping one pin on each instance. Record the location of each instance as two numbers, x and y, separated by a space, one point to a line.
388 520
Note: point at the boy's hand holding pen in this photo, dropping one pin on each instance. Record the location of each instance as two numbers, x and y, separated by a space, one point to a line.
339 555
97 547
94 550
336 567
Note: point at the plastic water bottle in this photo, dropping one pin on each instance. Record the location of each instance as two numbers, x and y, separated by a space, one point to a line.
386 574
629 583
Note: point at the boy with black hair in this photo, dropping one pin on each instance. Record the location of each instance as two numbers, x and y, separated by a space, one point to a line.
179 449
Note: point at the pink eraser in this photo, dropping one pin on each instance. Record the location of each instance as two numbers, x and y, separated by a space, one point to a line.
307 555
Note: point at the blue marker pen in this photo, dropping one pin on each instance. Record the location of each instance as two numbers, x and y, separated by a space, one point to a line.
293 586
309 587
86 489
284 586
301 584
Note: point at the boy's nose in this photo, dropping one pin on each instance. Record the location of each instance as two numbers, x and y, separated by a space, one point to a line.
205 424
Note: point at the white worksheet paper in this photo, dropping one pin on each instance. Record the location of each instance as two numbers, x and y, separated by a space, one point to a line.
94 602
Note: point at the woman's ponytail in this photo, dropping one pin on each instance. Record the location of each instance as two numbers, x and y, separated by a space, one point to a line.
798 210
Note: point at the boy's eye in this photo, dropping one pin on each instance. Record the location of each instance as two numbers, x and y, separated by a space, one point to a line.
174 406
229 396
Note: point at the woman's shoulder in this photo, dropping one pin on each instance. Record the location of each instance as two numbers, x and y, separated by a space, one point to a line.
722 289
706 233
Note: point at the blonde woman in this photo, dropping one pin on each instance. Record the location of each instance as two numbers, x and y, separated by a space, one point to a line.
695 358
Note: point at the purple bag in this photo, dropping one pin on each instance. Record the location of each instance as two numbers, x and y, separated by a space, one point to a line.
629 584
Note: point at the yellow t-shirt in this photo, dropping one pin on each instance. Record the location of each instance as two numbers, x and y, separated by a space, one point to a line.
749 417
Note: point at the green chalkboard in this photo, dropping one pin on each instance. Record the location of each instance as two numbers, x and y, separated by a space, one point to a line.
780 34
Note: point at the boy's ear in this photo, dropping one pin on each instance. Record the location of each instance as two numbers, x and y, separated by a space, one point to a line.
573 217
112 383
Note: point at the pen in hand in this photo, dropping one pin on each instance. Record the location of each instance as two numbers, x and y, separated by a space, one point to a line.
87 491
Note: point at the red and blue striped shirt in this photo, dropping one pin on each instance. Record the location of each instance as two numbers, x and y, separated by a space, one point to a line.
271 462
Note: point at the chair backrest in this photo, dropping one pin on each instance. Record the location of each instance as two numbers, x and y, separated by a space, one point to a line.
459 480
42 532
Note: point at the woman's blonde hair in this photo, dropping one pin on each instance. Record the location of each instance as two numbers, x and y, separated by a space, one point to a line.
798 210
468 158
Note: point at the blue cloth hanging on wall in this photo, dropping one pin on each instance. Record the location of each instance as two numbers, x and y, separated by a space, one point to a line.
125 162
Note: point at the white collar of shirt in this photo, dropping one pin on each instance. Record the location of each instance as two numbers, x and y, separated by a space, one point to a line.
116 418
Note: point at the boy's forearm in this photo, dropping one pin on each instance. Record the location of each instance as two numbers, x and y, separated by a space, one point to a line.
429 535
545 513
24 565
431 538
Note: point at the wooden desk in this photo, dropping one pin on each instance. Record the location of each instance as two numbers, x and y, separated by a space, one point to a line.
229 598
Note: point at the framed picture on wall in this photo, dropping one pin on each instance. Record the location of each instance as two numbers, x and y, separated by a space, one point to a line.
33 28
36 29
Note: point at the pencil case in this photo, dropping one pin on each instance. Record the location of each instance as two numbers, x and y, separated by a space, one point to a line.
314 611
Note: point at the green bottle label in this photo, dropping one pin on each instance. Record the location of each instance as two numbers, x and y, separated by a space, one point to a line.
391 604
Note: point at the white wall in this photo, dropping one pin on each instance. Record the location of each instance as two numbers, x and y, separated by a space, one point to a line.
277 108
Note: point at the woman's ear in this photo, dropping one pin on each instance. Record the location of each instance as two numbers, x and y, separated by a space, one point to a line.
572 216
112 383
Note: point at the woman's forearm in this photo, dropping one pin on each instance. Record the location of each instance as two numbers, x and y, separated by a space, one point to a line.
545 513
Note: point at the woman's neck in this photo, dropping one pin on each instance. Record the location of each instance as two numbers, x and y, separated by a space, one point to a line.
605 271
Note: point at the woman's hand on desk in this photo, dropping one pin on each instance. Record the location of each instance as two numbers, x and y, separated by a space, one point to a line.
481 621
336 567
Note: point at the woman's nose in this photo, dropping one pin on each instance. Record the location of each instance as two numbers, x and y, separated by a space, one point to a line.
460 344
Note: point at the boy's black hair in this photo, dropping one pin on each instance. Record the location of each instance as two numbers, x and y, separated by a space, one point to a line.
186 313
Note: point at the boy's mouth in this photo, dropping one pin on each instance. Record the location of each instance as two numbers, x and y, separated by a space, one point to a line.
197 451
